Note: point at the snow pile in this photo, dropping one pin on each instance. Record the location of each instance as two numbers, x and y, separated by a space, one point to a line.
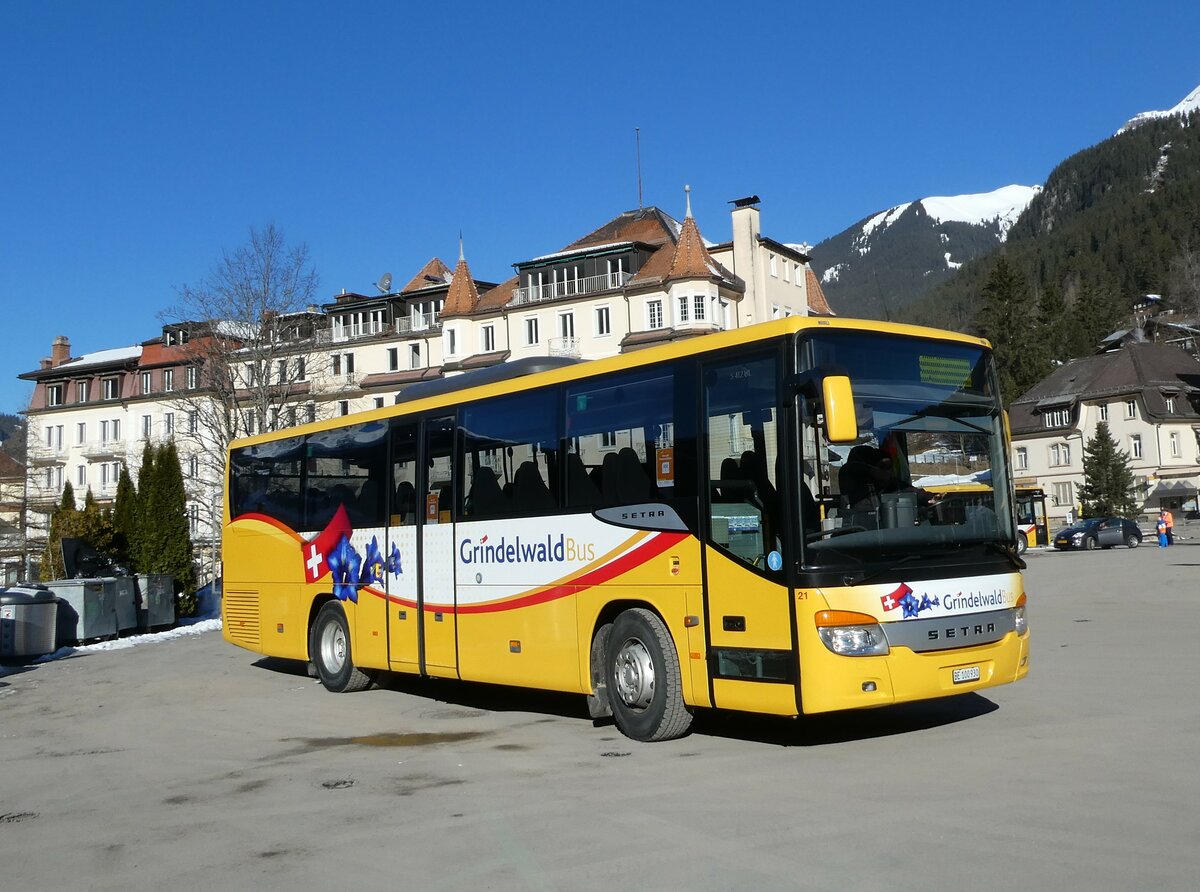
1189 104
188 631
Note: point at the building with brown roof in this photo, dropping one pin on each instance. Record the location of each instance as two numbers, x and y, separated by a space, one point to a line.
1147 393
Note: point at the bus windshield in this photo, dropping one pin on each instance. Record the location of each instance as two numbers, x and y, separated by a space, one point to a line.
928 417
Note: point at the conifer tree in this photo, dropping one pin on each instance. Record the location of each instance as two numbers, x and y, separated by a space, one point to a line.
1107 478
125 518
60 520
141 544
1005 319
175 541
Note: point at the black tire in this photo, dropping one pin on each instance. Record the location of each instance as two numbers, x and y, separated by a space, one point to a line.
1022 543
329 650
1090 542
644 686
1132 541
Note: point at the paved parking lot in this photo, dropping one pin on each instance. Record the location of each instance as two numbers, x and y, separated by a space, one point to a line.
192 764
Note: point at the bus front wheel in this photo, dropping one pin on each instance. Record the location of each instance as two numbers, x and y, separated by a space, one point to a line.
644 685
329 650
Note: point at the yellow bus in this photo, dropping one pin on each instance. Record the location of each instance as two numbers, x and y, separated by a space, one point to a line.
679 528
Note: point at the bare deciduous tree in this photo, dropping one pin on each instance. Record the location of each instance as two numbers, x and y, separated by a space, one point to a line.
248 331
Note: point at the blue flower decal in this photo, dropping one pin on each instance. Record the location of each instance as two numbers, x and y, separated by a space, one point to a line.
911 605
394 566
373 565
343 565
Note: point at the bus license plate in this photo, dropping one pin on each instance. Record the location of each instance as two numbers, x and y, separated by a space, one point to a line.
967 673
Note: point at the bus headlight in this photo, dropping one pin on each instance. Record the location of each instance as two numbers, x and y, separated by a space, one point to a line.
1022 623
851 634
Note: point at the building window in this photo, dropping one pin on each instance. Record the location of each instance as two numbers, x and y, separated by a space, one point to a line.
786 270
393 358
1057 418
147 427
1022 458
169 423
112 389
1104 412
1135 446
191 422
343 407
699 303
566 325
378 402
1060 455
531 330
147 382
81 476
1176 450
168 380
799 276
193 377
301 369
683 310
451 342
194 467
774 266
488 337
603 324
414 356
81 391
1131 408
1063 495
1171 405
654 314
80 433
54 395
310 412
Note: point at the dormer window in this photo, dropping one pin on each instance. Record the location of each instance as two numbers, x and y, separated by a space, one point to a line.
1057 418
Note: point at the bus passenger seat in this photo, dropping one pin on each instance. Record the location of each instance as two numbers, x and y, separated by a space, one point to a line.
530 493
486 497
406 502
581 491
632 483
610 474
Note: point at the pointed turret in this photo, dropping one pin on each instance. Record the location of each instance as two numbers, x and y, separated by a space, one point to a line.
463 297
691 260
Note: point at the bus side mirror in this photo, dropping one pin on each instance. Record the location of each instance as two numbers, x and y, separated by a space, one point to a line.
841 422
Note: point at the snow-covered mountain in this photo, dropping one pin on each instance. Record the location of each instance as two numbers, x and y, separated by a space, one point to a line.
882 263
1189 104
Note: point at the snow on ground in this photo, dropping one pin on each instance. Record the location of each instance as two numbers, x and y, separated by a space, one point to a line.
1004 205
194 628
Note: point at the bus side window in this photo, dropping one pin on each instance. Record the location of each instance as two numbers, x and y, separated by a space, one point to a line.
404 473
510 452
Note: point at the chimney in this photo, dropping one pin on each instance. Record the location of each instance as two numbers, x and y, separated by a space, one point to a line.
60 351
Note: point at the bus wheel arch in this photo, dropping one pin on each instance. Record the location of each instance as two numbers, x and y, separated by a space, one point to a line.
330 651
598 703
643 678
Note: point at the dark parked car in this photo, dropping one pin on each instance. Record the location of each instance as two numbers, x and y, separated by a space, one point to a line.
1099 532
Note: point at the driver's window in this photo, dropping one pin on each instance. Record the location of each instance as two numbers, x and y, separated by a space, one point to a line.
741 407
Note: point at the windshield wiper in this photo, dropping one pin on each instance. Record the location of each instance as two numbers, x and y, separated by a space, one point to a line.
997 548
884 570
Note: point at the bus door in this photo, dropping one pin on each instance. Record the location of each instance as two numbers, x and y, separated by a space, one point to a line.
435 565
402 554
752 660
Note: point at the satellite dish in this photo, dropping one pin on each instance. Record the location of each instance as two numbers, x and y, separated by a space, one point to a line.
385 283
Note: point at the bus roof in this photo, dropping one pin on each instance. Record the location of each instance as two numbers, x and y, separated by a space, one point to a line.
490 382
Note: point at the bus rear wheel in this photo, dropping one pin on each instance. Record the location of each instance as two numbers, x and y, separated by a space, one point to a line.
329 650
644 686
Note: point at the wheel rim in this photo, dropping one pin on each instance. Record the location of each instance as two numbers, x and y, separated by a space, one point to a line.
633 674
333 647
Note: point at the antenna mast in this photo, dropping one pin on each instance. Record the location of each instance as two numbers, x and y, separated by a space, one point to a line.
638 134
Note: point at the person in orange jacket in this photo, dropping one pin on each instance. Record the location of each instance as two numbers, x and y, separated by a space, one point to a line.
1170 519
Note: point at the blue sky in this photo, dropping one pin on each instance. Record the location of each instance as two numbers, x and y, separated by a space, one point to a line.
139 139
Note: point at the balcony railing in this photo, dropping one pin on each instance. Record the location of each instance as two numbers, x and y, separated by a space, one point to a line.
417 322
532 294
41 454
564 347
105 449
